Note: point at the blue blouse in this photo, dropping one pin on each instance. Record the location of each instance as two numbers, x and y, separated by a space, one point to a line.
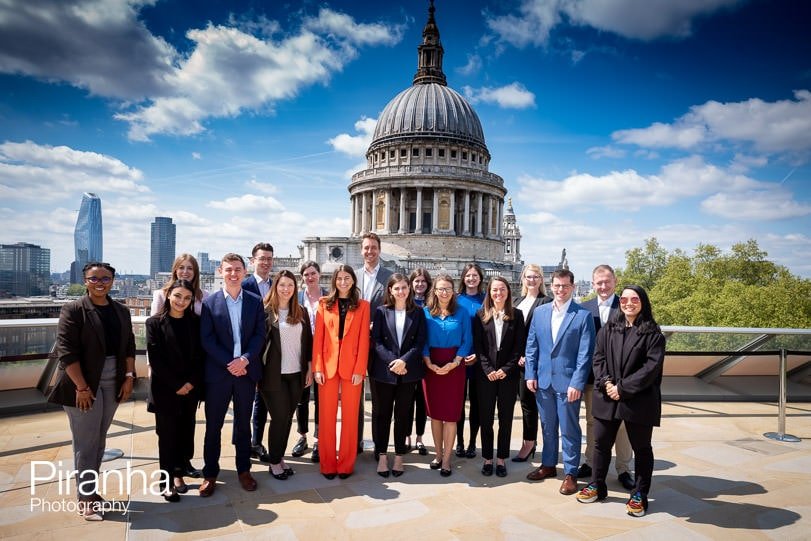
453 331
471 303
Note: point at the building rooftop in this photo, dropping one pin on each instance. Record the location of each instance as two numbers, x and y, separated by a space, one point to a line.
716 477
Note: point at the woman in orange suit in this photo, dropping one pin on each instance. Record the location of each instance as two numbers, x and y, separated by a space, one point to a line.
340 355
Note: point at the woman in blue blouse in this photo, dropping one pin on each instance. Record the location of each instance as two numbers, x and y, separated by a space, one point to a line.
449 342
420 280
471 297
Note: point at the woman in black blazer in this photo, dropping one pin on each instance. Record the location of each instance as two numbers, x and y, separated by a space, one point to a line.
533 294
96 348
287 368
398 336
176 361
628 361
499 337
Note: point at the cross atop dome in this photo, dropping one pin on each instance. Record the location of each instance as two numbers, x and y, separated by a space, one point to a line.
429 53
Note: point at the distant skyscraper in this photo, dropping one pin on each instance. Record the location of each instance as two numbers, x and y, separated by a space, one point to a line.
25 270
87 236
162 246
204 262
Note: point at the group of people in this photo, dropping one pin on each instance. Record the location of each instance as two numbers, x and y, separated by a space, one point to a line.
263 343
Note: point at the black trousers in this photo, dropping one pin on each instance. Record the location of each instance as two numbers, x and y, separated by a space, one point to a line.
259 417
175 430
499 393
388 400
281 396
529 410
472 392
605 432
418 410
303 410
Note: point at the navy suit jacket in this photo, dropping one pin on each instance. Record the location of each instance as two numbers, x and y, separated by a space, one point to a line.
592 305
217 337
386 348
566 362
249 284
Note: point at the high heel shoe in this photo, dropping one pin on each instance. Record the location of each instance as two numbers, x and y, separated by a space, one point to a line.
519 458
435 464
421 448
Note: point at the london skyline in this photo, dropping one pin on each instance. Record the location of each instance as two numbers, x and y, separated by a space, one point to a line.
687 122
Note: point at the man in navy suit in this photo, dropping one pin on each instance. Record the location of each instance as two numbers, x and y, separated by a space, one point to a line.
603 307
232 329
259 283
558 361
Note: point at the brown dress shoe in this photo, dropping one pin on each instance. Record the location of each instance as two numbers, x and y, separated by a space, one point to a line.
247 481
542 473
569 485
207 487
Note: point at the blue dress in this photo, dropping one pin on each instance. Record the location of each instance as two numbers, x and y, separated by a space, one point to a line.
447 338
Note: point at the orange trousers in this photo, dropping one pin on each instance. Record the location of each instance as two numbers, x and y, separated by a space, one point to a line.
338 459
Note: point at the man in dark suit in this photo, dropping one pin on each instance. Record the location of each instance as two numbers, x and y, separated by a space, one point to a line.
259 283
372 280
232 330
603 307
559 352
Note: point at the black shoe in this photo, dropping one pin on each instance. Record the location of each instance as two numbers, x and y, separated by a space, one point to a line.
487 469
421 449
300 447
519 458
329 475
501 470
280 476
626 481
384 473
445 473
471 451
315 457
460 450
397 473
289 471
172 496
259 451
435 464
344 475
191 471
584 472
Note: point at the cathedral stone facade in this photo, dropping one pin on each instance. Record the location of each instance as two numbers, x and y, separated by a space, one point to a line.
427 190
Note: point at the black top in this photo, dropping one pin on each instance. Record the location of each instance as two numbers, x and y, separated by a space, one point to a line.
343 308
181 326
112 332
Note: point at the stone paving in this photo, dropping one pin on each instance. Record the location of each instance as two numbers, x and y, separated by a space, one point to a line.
716 477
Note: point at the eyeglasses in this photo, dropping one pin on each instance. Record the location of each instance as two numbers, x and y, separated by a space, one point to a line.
562 286
532 277
444 290
96 279
632 300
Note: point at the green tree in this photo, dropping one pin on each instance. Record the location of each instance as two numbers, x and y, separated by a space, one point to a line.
76 290
644 266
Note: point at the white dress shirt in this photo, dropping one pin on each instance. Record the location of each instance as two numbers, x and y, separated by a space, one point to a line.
557 318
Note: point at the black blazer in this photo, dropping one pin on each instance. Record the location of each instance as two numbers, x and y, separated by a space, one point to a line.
634 363
171 369
272 357
538 301
80 339
593 306
386 349
513 340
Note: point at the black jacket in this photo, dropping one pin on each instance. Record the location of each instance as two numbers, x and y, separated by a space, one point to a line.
171 369
513 340
386 349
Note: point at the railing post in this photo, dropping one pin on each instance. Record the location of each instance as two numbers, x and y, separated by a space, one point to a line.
781 435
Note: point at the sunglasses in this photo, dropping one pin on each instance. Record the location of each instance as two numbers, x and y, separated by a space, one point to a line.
632 300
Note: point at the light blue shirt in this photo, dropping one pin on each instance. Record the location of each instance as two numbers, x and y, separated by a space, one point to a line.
235 315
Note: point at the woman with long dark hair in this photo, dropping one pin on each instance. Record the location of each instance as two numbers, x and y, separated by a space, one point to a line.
449 341
340 358
398 335
499 336
176 361
287 365
628 361
420 280
470 296
96 349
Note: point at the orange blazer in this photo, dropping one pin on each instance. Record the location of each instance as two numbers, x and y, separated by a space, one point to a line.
352 355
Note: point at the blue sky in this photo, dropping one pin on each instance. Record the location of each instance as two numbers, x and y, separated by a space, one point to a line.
610 120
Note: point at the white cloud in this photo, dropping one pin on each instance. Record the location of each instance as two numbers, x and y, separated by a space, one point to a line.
781 127
29 171
512 96
98 45
634 19
355 145
196 156
344 27
247 203
264 187
773 204
474 64
606 151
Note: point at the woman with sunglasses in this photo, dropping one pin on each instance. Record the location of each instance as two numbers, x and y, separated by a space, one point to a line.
96 349
628 361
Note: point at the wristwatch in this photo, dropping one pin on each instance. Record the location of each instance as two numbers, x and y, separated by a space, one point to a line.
130 375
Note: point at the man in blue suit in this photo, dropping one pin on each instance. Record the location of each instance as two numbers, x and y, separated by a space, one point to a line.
259 283
558 362
232 329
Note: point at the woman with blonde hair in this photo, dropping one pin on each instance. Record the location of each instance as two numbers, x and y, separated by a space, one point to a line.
185 267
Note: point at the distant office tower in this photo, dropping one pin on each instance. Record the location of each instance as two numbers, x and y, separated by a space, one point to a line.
87 236
162 246
25 270
205 264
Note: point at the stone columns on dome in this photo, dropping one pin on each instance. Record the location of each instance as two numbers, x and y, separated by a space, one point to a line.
353 221
452 222
402 229
363 216
500 222
479 197
418 228
387 211
435 213
466 226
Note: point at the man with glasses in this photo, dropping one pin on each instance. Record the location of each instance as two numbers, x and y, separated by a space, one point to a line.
603 307
259 283
558 361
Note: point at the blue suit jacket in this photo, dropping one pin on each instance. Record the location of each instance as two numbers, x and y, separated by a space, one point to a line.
567 362
217 337
250 284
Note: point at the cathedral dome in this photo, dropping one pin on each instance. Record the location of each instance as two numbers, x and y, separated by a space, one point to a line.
430 109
